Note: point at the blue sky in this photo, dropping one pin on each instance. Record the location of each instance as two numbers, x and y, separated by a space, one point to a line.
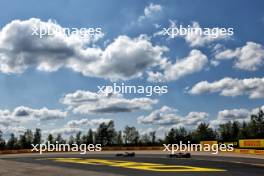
31 89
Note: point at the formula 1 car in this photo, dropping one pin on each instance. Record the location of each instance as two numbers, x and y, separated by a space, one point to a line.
179 155
126 154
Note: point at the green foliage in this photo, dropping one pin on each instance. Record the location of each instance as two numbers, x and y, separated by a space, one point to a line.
131 135
2 141
204 133
37 137
107 135
119 140
12 142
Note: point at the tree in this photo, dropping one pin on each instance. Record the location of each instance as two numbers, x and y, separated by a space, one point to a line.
78 138
27 139
12 142
244 132
71 140
2 141
257 124
60 139
111 133
176 135
106 133
170 137
37 136
119 139
225 131
204 132
131 135
90 137
51 139
23 141
145 139
153 137
235 130
181 135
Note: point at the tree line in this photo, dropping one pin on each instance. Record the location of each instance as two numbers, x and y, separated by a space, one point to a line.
107 135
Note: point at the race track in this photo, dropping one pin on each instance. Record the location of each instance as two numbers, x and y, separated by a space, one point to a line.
149 164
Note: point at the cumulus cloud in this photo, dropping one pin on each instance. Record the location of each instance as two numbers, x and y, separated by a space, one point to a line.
20 49
231 115
74 126
15 129
85 102
249 57
25 113
39 114
87 122
150 11
194 62
251 87
65 131
169 116
6 118
196 39
15 121
256 110
163 116
124 58
160 131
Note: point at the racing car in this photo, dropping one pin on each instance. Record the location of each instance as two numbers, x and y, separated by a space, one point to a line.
126 154
180 155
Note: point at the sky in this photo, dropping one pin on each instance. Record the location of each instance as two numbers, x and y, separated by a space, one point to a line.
52 82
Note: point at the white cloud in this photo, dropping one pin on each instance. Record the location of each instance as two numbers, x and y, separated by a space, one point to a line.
249 57
160 131
74 126
196 39
65 131
194 62
7 130
16 121
39 114
87 122
163 116
6 118
85 102
150 11
232 115
124 58
194 118
23 113
169 116
252 87
256 110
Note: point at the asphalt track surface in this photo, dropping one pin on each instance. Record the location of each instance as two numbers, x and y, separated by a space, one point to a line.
151 164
